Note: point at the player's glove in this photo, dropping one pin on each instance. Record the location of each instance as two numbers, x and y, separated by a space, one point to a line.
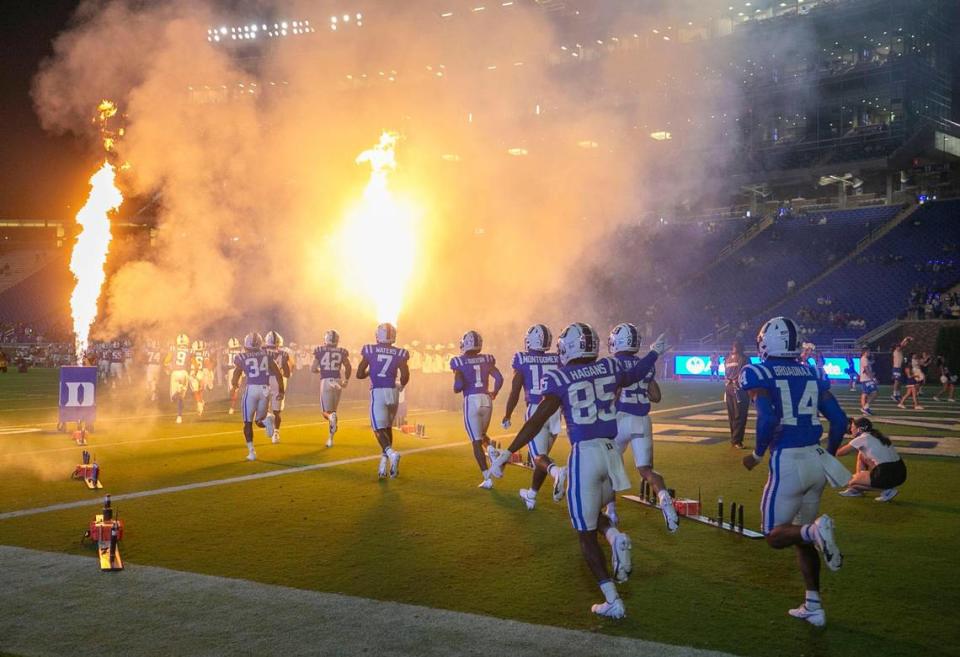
496 465
506 423
660 344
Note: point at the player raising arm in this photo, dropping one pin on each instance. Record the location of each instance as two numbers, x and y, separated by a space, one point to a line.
381 362
258 366
328 360
471 376
585 388
788 395
528 369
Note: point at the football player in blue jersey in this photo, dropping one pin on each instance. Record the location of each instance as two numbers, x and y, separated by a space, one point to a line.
472 372
585 388
634 429
788 395
177 363
381 362
273 345
258 367
528 369
332 362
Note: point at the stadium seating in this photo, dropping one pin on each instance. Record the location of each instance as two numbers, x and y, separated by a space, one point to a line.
794 248
876 285
40 297
17 264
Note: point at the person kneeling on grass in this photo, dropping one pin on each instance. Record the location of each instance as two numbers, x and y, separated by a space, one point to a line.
879 467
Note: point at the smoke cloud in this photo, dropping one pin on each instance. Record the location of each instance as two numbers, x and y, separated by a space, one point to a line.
521 158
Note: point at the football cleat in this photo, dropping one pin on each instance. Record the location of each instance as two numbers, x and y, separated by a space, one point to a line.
614 609
816 617
330 441
622 558
268 426
670 516
486 484
850 492
497 463
560 484
826 542
394 465
529 498
382 469
179 420
230 412
887 495
251 455
199 408
275 438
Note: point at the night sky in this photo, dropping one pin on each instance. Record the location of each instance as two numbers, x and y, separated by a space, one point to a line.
42 176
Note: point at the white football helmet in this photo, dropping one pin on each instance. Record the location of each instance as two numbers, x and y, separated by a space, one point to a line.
386 333
624 337
183 340
252 341
778 337
578 340
331 338
273 340
471 341
199 345
233 344
538 338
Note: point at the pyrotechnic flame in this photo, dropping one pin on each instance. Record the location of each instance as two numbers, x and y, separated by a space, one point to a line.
383 228
90 252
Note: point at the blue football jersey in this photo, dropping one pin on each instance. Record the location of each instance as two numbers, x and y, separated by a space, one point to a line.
385 361
795 396
255 365
587 393
475 372
330 360
634 398
281 356
532 365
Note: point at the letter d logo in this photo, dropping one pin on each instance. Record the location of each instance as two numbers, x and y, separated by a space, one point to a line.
79 393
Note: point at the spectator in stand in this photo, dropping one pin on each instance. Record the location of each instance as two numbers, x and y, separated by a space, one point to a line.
947 379
737 400
879 467
898 367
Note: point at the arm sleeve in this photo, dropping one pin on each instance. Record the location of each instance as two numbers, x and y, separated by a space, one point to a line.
404 373
830 409
363 367
347 367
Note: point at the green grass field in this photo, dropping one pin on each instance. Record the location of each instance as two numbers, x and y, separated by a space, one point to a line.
432 538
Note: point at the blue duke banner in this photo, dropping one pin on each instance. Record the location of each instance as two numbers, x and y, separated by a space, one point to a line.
78 394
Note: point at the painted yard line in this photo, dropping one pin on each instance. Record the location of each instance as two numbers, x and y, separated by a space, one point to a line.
877 417
684 408
358 403
688 428
121 443
223 482
12 431
916 423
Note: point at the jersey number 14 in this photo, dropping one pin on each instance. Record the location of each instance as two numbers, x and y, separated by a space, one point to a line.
807 405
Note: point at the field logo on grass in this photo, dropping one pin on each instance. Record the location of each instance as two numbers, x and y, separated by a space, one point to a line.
78 394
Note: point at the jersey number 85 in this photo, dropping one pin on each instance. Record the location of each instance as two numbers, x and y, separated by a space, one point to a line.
584 395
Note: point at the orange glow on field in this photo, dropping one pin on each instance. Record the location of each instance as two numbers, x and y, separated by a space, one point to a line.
90 252
381 233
